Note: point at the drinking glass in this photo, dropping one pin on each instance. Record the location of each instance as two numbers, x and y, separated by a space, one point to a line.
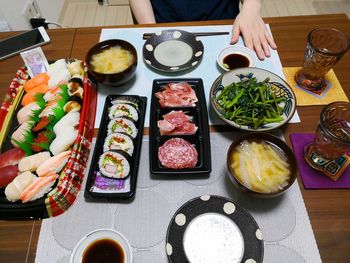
332 140
325 46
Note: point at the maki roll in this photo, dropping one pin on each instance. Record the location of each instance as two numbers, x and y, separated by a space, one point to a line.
119 141
122 124
126 99
114 165
123 110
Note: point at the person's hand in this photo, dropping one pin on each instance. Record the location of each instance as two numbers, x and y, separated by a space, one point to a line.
251 26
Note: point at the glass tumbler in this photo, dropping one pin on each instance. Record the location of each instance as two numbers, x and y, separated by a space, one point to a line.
325 46
328 152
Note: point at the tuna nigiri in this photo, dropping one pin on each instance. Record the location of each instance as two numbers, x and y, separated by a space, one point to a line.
38 188
31 163
39 79
14 189
7 174
11 157
54 164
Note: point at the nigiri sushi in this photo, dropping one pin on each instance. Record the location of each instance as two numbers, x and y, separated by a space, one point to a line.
31 163
14 189
39 79
7 174
64 141
54 164
59 73
23 136
71 119
11 157
42 141
38 188
30 111
75 68
32 95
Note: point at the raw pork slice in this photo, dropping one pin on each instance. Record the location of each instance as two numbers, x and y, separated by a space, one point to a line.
177 153
176 123
177 95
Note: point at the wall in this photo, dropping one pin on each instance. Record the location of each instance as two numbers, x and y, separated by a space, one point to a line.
11 11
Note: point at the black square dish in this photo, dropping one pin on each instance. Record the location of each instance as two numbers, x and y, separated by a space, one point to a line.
104 186
200 140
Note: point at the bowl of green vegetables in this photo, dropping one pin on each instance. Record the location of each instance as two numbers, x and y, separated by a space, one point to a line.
252 99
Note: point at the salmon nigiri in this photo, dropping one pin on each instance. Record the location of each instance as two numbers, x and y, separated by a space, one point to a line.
32 96
39 79
38 188
54 164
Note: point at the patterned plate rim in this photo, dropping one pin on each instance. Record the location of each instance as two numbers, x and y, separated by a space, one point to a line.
184 36
253 240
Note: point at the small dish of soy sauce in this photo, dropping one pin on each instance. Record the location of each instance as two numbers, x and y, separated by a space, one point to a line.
102 245
234 57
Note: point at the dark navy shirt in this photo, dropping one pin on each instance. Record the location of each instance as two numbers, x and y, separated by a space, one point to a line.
194 10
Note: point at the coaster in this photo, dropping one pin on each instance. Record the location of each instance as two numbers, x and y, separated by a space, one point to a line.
332 168
331 93
311 178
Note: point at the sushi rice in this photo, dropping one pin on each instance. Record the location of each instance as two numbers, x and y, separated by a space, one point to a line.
122 124
119 141
114 165
123 109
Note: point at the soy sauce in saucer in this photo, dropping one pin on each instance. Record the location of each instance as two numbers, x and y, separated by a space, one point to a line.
104 250
235 60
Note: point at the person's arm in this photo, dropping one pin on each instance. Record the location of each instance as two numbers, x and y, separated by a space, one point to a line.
251 26
142 10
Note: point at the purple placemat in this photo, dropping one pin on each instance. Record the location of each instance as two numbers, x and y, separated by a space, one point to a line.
311 178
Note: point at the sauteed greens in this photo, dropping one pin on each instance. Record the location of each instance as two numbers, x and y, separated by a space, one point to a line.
250 102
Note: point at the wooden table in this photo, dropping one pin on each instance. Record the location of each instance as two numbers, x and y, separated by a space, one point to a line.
329 210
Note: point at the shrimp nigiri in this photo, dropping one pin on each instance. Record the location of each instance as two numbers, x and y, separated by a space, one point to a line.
54 164
38 188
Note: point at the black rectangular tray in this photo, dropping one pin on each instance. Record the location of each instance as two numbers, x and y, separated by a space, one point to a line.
134 160
200 139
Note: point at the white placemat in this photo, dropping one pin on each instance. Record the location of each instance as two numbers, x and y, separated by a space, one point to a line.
284 222
206 70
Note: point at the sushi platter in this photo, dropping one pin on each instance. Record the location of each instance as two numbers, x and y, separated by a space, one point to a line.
46 133
114 166
179 130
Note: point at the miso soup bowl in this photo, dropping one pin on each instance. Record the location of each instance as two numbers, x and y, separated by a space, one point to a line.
112 79
278 145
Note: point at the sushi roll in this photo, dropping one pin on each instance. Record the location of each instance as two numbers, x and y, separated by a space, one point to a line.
126 99
123 110
14 189
121 124
119 141
114 165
